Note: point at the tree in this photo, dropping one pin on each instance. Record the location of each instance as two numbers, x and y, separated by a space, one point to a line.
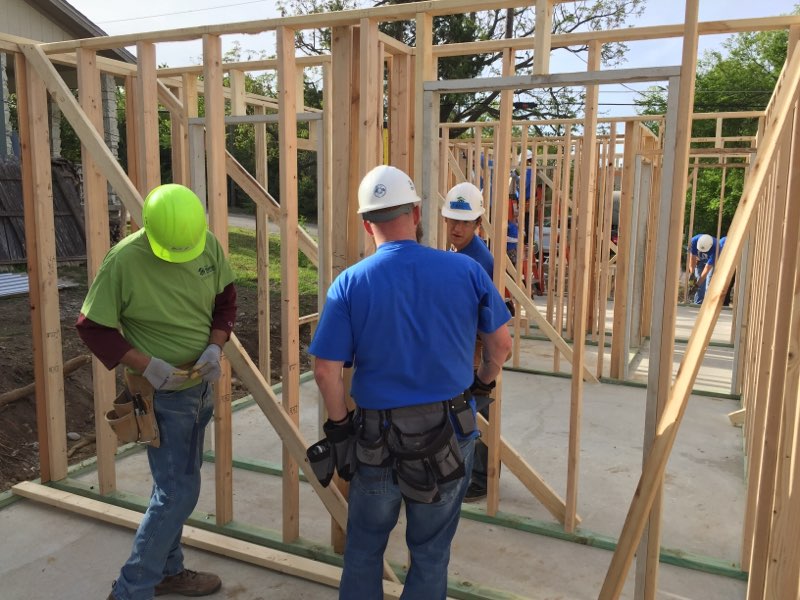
555 103
740 77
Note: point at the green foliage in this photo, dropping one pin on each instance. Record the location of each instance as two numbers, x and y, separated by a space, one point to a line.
706 212
595 15
243 259
740 77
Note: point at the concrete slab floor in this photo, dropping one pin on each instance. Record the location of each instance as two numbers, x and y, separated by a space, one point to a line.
51 554
716 370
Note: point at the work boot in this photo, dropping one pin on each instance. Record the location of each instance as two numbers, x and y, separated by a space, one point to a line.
474 493
189 583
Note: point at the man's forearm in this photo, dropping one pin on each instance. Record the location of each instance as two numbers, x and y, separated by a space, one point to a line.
496 350
328 375
135 359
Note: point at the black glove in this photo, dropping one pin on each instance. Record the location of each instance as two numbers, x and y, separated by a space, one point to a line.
510 307
341 435
481 392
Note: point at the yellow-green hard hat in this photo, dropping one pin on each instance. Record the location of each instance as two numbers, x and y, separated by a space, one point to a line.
175 223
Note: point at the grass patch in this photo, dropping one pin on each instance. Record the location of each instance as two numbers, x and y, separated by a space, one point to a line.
242 247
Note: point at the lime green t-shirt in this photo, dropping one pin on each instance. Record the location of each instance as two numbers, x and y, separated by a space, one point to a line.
163 309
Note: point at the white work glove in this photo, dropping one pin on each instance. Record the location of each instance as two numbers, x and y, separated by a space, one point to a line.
163 376
207 366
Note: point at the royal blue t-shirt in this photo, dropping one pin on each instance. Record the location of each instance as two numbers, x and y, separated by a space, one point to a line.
478 252
407 317
512 236
705 257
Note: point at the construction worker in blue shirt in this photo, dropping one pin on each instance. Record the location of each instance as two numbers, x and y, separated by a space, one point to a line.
703 252
463 211
406 318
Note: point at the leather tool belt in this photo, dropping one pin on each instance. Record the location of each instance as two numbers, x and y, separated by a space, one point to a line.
132 417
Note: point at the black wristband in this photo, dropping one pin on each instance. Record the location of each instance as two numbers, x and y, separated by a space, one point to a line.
478 385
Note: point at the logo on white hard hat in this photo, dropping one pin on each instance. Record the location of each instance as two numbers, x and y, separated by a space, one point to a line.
379 191
460 203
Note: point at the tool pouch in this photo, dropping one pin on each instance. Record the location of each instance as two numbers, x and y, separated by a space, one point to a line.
320 457
426 451
143 395
416 481
463 417
122 419
133 418
371 447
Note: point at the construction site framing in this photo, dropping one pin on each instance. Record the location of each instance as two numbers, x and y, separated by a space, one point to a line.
582 164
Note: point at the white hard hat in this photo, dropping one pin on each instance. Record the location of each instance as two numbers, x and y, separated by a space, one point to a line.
384 187
704 243
464 202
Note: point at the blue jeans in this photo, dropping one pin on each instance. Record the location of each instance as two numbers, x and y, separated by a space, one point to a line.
700 294
374 506
175 466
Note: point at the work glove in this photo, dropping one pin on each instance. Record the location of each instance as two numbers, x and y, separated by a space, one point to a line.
341 436
481 392
320 457
510 307
207 366
163 376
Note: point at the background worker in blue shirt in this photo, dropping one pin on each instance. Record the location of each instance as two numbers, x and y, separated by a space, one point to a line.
407 318
703 252
462 212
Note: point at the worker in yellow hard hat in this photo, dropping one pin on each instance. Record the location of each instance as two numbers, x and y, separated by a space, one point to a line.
163 304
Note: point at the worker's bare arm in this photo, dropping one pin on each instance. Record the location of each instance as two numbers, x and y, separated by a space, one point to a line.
496 350
328 375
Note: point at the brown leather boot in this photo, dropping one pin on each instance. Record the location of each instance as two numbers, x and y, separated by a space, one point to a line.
189 583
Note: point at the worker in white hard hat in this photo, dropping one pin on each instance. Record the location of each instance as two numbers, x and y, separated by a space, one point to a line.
703 253
406 317
462 212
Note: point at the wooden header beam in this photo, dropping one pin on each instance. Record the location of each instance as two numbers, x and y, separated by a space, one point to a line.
629 34
384 14
522 82
252 65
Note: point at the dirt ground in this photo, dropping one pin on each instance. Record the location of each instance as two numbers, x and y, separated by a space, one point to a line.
19 448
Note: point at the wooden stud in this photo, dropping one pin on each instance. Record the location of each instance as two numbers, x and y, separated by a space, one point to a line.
290 341
32 253
561 248
179 136
542 37
585 220
370 114
400 113
425 70
499 212
147 123
42 272
95 204
605 250
619 345
262 245
217 199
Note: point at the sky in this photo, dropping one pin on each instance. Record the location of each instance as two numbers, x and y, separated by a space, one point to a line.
152 15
